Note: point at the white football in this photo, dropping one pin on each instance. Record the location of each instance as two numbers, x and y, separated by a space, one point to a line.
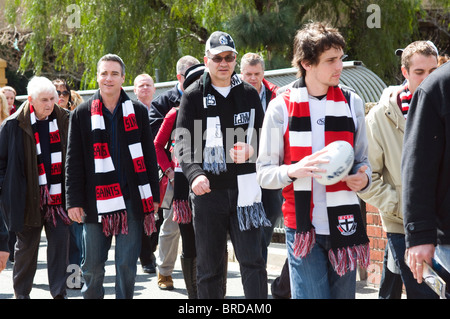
341 157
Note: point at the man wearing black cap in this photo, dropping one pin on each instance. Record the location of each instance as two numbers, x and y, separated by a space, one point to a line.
219 119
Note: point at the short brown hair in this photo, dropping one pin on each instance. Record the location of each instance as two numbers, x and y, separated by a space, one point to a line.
311 41
252 59
420 47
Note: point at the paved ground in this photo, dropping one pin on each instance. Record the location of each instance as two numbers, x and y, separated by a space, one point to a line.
146 284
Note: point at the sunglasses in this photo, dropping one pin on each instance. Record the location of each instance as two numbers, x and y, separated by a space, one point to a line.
64 93
218 58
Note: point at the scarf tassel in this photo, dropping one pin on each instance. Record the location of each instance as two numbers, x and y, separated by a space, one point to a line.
346 259
53 211
111 223
45 196
214 160
182 213
149 223
253 215
304 242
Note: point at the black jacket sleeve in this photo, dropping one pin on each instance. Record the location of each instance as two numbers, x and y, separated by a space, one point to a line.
423 151
75 163
189 146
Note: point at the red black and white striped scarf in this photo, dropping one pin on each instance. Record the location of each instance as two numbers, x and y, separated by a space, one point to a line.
110 202
405 99
348 236
51 189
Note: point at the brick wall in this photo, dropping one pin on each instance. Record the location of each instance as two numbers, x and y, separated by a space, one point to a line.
378 242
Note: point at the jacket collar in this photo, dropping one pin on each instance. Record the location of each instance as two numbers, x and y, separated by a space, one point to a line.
391 108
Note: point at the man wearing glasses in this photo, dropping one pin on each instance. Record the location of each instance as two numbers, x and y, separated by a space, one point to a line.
219 164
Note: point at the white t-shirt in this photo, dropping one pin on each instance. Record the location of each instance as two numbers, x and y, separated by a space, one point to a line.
320 214
224 91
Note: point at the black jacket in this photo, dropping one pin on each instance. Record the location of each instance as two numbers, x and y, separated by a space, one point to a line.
161 106
80 187
20 192
192 118
426 162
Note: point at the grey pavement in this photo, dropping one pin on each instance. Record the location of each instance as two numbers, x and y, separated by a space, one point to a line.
146 284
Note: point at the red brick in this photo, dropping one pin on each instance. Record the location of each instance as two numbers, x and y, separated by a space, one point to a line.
370 208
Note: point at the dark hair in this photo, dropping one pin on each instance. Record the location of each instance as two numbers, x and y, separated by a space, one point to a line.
114 58
311 41
64 82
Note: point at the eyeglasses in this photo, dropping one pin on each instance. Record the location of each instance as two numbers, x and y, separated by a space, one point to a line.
219 59
64 93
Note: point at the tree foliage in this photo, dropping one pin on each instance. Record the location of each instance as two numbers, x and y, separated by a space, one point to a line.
154 34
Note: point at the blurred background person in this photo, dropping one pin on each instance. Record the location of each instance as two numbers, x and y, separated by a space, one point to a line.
64 98
10 94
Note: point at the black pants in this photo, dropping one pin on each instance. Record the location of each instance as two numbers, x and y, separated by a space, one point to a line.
214 215
26 255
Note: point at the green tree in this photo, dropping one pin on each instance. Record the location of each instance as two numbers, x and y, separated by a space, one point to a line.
67 37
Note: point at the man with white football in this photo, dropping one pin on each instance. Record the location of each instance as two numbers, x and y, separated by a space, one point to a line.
325 234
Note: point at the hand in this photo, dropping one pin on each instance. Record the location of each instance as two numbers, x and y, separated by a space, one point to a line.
200 185
306 167
241 152
4 255
155 207
76 214
170 174
357 181
416 256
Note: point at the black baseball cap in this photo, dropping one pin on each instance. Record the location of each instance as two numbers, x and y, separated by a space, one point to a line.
219 42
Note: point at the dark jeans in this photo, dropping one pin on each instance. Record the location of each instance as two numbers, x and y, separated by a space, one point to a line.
414 290
127 249
26 255
272 200
391 284
214 215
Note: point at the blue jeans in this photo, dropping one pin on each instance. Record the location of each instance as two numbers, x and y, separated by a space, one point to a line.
127 249
313 276
414 290
214 214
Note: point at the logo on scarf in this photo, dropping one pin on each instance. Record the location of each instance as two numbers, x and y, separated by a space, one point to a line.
347 225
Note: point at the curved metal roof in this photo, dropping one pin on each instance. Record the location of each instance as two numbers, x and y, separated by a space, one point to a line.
355 75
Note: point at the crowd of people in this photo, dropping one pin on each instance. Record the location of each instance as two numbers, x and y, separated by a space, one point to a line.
223 156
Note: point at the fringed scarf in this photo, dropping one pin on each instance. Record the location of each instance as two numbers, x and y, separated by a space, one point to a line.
110 202
182 212
348 237
405 100
250 209
51 190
